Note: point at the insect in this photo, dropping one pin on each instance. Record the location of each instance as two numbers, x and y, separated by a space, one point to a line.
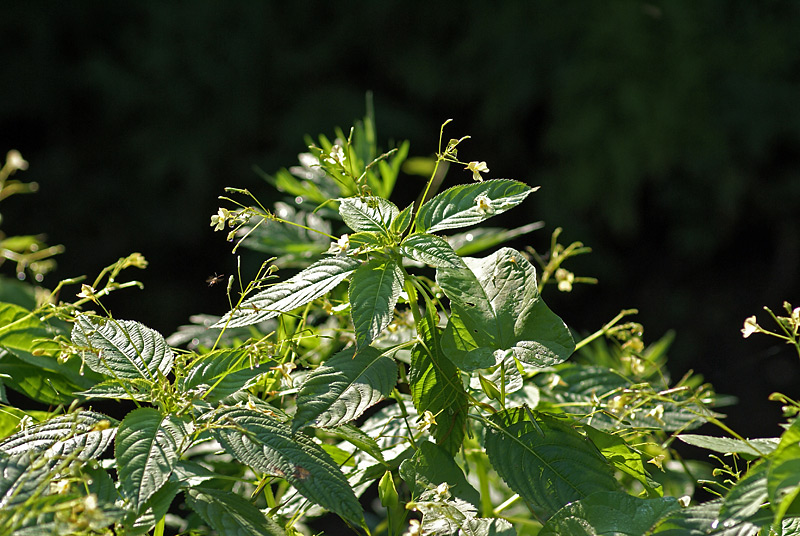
214 279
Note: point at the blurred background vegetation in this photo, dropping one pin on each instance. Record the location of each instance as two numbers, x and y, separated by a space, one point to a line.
665 135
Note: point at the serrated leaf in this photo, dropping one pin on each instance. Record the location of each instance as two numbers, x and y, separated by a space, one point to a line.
609 513
120 390
430 466
403 220
147 449
373 293
373 214
497 300
122 348
783 474
23 475
747 496
727 445
87 432
624 458
547 462
480 526
230 514
270 447
313 282
460 206
343 387
20 328
42 384
430 249
221 373
703 520
436 386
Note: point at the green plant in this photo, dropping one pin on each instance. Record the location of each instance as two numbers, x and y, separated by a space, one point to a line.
441 383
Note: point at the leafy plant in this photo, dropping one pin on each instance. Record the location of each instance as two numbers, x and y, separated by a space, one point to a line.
390 365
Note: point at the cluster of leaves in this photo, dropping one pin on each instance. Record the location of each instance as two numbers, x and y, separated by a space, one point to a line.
438 380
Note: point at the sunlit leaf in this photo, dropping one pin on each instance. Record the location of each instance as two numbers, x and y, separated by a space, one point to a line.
373 293
223 372
262 442
783 474
313 282
228 513
728 445
703 520
343 387
747 496
430 249
373 214
430 466
497 300
122 348
461 205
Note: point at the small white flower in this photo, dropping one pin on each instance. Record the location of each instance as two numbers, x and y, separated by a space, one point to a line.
750 327
484 204
341 245
414 528
477 168
86 292
14 161
336 156
443 491
684 501
657 413
427 420
565 279
219 219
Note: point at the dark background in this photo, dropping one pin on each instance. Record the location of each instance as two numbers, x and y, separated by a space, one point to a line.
664 135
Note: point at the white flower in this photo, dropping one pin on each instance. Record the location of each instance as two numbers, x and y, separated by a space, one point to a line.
414 528
87 292
483 204
477 168
336 156
750 327
427 419
341 245
684 501
565 279
14 161
219 219
443 491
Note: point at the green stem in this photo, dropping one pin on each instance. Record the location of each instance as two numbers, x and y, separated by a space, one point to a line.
602 331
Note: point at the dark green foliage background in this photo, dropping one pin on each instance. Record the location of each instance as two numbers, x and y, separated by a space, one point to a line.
664 134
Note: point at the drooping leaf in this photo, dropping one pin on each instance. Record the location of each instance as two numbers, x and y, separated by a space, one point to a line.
262 442
783 474
497 300
468 204
728 445
373 294
373 214
228 513
359 439
313 282
436 386
122 348
20 329
87 432
747 496
609 512
138 389
343 387
430 466
223 372
703 520
147 449
547 462
430 249
43 384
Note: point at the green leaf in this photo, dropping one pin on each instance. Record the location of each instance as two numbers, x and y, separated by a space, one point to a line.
547 462
783 474
122 348
313 282
432 250
436 386
359 439
747 496
373 294
20 329
343 387
459 206
624 458
611 512
497 300
221 373
373 214
726 445
85 432
230 514
147 448
703 520
402 221
41 384
22 477
479 526
430 466
268 446
137 389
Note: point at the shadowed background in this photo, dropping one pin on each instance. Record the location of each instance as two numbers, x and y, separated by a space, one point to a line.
664 135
